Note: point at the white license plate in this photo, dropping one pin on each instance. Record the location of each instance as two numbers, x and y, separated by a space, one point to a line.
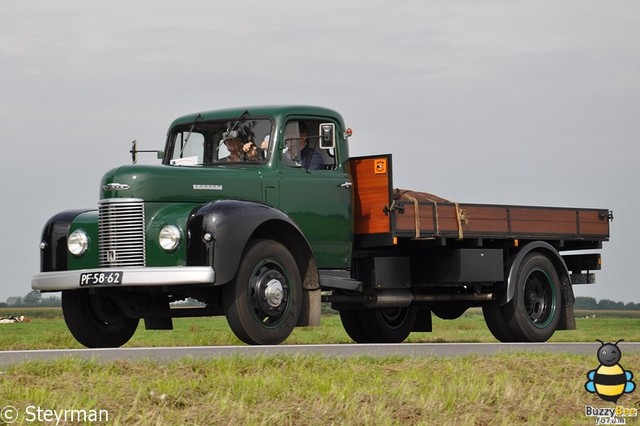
100 278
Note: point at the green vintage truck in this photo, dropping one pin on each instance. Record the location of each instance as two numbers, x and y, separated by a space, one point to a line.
260 214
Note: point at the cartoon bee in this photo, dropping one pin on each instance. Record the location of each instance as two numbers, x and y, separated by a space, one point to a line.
609 381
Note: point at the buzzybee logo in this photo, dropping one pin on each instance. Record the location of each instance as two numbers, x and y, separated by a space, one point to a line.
610 380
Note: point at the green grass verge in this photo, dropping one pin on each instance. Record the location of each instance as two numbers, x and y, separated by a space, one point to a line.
474 390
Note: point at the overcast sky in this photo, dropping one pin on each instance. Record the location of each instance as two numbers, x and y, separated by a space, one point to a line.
480 101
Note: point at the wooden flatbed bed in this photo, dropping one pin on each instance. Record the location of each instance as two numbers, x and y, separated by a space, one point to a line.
383 215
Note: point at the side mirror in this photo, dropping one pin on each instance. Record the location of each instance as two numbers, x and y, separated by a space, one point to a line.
327 135
134 152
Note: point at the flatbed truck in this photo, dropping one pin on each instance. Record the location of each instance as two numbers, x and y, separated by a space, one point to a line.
261 215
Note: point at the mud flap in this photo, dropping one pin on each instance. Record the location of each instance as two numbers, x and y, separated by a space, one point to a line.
158 323
567 315
423 321
310 313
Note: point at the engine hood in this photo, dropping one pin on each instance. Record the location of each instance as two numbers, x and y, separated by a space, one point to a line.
182 184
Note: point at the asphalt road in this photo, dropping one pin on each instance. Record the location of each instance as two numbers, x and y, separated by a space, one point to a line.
341 350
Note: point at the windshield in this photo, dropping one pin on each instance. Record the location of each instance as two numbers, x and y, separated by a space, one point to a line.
220 142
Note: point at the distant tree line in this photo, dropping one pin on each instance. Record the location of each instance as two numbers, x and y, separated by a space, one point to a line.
33 299
591 303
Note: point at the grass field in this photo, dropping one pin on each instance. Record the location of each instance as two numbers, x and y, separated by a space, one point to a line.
311 390
48 331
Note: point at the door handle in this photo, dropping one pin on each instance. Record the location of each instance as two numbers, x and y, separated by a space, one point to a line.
347 184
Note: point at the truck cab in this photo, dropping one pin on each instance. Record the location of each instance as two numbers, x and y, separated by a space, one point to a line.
268 184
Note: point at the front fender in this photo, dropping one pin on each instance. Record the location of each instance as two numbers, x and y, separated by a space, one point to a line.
219 231
53 248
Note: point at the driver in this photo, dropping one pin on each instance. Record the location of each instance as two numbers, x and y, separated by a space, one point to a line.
299 153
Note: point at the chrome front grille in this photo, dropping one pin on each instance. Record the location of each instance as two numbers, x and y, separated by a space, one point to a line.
121 232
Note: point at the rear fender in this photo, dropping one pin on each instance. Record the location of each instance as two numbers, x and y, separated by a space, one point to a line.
554 257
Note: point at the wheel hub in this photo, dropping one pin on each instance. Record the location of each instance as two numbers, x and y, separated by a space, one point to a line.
536 299
270 293
274 293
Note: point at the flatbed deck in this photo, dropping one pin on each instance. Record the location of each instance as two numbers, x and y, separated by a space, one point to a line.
381 210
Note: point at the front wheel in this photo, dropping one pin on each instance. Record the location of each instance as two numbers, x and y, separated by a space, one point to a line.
264 301
95 320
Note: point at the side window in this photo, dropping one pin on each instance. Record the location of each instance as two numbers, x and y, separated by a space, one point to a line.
302 146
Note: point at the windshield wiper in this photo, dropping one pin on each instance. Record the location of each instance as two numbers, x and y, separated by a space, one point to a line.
184 145
232 131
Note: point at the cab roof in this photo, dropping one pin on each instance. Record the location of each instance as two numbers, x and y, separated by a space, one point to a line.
275 111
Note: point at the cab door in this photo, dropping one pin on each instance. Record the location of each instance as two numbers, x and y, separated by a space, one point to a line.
319 201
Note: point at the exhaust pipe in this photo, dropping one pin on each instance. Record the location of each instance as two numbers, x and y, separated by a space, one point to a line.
403 298
391 299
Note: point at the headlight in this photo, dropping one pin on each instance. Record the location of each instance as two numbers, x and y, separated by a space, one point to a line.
78 242
169 237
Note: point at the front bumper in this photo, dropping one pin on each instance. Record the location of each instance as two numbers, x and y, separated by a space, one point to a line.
131 277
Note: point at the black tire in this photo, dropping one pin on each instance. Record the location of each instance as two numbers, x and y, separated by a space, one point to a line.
497 323
379 325
449 310
353 325
534 312
95 320
264 301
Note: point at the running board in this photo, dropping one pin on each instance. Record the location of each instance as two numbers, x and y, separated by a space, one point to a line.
342 283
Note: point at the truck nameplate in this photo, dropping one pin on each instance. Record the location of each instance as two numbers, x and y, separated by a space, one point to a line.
207 187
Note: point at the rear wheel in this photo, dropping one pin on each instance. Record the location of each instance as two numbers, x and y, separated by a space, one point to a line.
264 302
533 314
353 325
449 310
497 323
95 320
379 325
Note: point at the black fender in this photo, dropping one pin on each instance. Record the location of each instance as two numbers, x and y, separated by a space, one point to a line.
53 248
554 257
219 232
